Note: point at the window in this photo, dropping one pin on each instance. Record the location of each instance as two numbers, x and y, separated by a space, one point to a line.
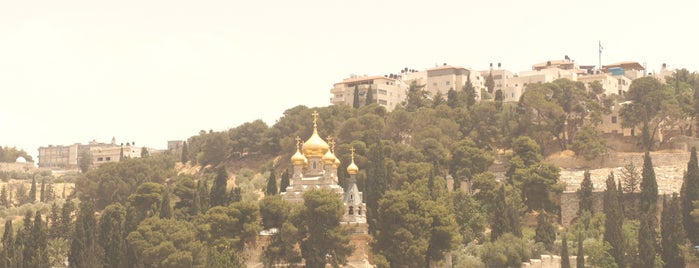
383 102
351 210
100 159
108 158
613 119
383 92
359 210
447 83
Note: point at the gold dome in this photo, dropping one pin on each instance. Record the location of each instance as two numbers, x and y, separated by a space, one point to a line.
352 169
329 158
315 146
337 162
298 158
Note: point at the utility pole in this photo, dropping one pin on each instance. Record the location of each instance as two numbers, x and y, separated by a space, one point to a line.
600 55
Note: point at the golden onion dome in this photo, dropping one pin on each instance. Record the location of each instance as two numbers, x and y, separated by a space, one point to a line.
337 162
352 169
298 158
315 146
329 158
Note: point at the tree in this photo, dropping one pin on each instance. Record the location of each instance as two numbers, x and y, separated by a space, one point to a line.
416 97
84 249
585 194
235 226
369 96
529 173
672 233
185 153
324 238
467 160
580 260
222 258
490 82
565 258
167 243
271 184
545 231
651 104
8 245
35 250
42 192
144 152
499 98
31 196
589 143
631 178
469 92
85 161
186 191
689 193
355 101
218 189
165 206
614 221
111 236
469 217
4 198
284 181
507 251
649 197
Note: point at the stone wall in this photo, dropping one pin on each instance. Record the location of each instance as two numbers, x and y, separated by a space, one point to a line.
570 205
549 261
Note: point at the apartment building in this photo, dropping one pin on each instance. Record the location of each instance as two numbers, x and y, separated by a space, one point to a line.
629 69
612 84
67 157
388 91
446 77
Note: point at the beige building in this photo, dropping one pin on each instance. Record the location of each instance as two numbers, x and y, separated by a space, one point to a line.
67 157
59 156
443 78
629 69
618 85
387 91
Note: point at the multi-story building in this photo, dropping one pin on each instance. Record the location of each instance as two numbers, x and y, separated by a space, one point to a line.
59 156
629 69
387 91
443 78
612 84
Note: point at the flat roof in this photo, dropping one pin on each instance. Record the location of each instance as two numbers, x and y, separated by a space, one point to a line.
363 78
625 64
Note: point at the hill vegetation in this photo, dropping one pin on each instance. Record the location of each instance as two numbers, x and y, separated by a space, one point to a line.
209 211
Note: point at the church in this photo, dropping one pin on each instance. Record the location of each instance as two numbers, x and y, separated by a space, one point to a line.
315 167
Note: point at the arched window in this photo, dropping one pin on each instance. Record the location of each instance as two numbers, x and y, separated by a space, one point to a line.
314 164
351 197
351 210
359 210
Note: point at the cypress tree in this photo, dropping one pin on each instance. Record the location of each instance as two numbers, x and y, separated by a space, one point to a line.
646 240
649 197
165 206
565 258
236 195
112 235
469 92
40 256
369 96
355 101
271 184
545 231
84 249
28 245
218 189
613 231
42 193
580 260
31 196
284 181
585 194
54 220
65 226
499 224
8 245
4 198
690 192
203 195
185 152
672 233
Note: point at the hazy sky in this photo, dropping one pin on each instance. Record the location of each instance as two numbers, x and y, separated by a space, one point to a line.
151 71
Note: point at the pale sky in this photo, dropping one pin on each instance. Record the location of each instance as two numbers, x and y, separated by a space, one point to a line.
150 71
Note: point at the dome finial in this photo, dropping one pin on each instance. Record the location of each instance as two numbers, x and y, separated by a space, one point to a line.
352 168
315 120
